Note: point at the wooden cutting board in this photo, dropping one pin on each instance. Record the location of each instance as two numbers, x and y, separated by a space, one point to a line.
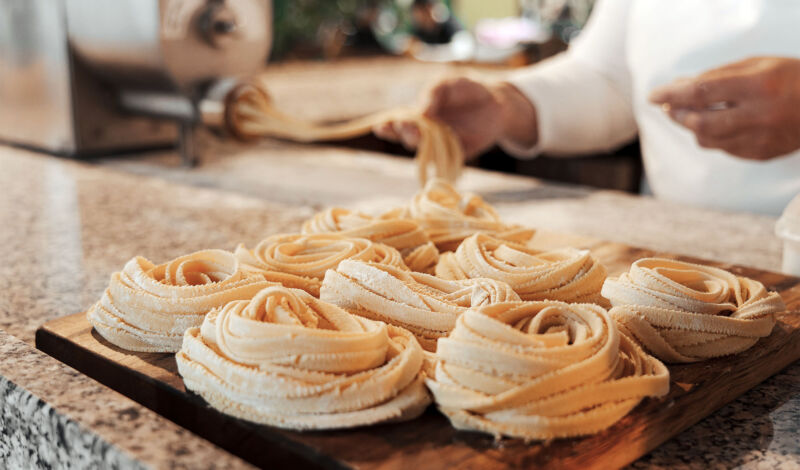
429 442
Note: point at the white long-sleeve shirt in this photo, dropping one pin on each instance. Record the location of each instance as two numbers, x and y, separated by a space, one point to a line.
594 97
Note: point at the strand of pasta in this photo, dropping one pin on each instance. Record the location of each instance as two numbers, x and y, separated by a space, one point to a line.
287 359
252 114
541 370
684 312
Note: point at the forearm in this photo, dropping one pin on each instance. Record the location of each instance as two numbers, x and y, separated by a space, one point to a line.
582 97
577 109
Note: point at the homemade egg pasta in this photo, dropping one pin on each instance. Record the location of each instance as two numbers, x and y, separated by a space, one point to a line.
287 359
541 370
147 307
252 114
565 274
305 258
360 320
423 304
449 217
406 235
683 312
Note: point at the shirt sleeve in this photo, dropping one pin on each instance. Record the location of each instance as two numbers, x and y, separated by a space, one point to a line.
582 96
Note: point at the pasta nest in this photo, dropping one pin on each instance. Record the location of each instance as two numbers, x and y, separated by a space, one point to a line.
406 235
300 261
288 359
565 274
423 304
541 370
448 217
147 307
684 312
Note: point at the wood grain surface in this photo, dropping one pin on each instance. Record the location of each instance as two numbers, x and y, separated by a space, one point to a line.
696 391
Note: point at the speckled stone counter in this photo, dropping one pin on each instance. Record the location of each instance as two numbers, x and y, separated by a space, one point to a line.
66 226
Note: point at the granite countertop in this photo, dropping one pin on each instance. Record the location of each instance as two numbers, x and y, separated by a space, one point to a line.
68 225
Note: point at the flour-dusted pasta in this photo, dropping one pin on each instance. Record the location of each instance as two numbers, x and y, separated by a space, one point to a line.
147 307
449 217
684 312
541 370
423 304
288 359
566 274
406 235
303 259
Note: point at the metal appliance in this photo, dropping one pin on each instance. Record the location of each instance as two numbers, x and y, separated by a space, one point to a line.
88 77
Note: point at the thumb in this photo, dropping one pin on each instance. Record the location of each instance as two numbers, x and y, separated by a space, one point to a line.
436 102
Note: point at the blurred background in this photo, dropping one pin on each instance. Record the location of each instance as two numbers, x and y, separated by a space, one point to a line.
504 31
424 40
90 77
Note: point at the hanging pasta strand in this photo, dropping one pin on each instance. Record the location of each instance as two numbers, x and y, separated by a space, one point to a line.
251 114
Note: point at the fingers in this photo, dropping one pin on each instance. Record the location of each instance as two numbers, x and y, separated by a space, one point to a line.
748 145
455 94
702 92
437 100
409 134
730 83
405 132
748 108
752 145
735 130
385 131
716 123
469 108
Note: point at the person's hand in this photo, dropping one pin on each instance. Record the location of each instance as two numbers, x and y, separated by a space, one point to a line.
480 115
750 109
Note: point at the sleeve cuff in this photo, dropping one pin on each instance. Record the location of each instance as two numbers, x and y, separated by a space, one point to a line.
539 84
520 151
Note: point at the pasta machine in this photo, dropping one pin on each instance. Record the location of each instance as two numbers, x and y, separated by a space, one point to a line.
95 77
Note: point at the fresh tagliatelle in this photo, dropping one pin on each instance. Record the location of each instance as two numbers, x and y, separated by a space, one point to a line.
541 370
565 274
287 359
251 113
303 259
147 307
449 217
683 312
406 235
423 304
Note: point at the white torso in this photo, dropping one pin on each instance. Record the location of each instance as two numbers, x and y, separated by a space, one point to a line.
658 41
